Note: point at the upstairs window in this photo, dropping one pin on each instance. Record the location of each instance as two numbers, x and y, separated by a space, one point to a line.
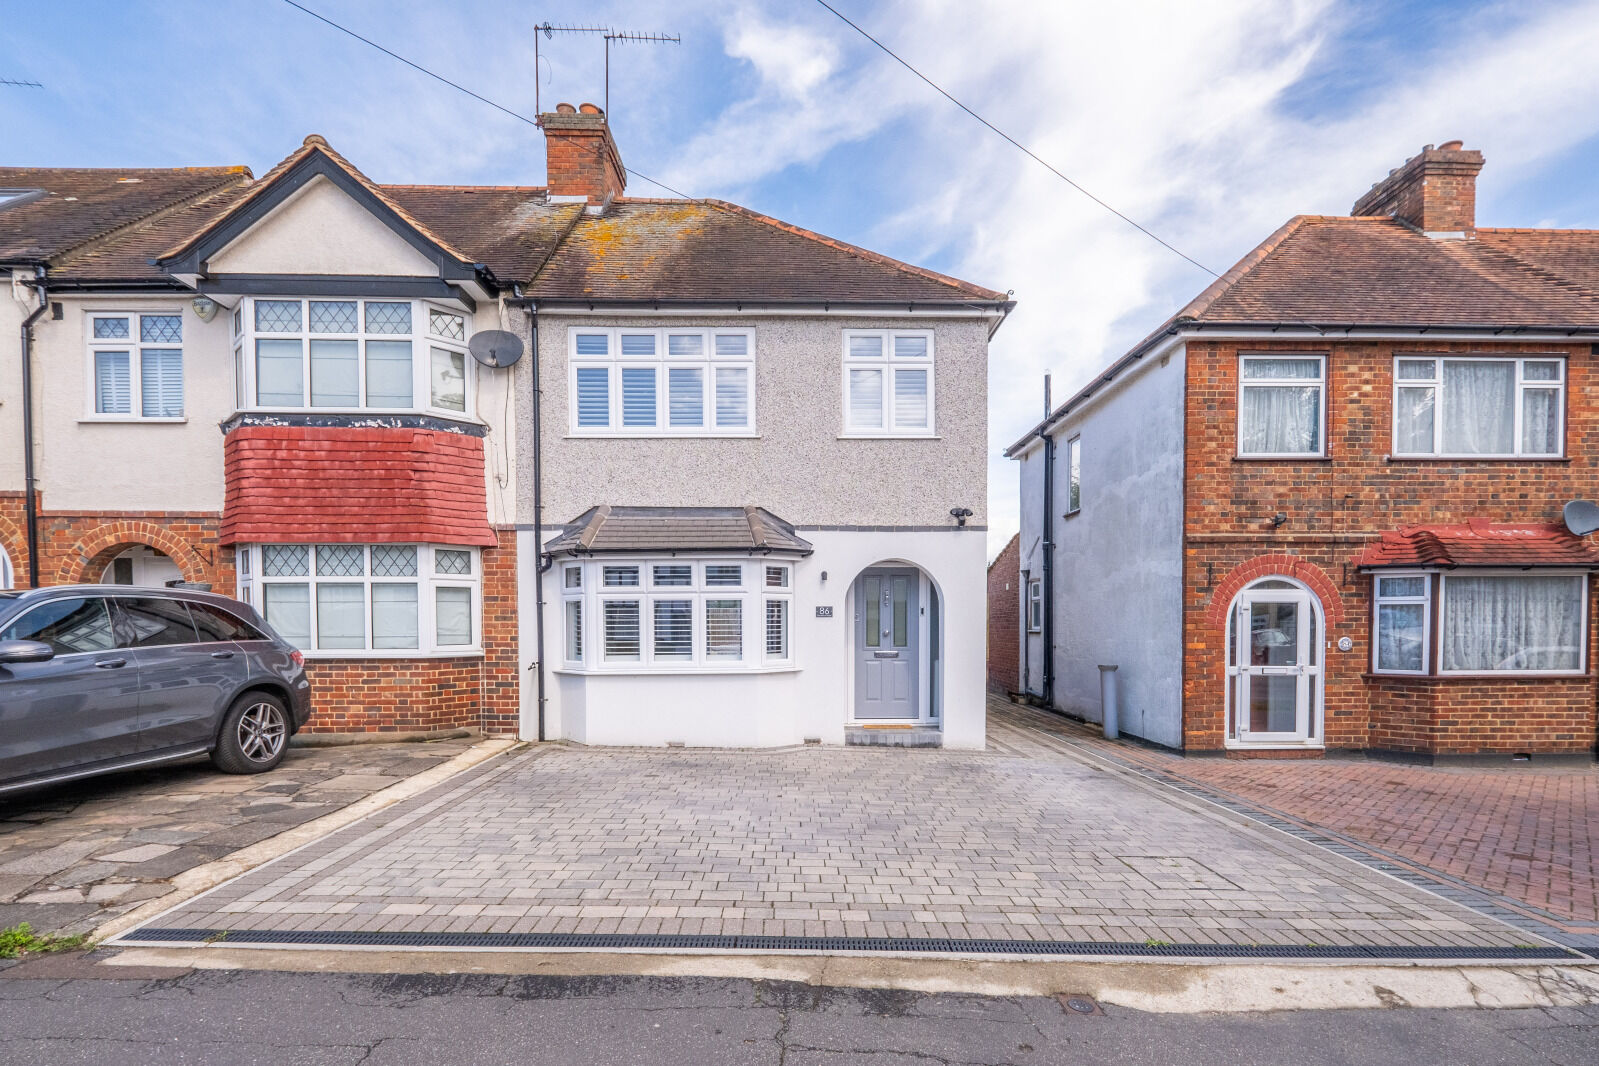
1035 605
1479 407
136 366
1282 406
351 355
888 383
662 382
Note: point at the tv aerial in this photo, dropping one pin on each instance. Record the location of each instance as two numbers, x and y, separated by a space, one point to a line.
609 35
495 347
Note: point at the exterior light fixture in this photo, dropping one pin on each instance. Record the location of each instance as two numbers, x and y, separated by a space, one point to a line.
960 515
204 308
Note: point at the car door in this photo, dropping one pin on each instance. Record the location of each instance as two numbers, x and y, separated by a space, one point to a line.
80 707
184 680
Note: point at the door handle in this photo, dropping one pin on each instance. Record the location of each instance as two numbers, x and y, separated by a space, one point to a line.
110 664
222 655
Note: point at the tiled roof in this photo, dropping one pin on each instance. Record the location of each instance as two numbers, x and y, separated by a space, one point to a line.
342 485
655 529
510 230
1478 542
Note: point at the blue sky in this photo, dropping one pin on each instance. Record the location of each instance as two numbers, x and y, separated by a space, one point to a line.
1211 123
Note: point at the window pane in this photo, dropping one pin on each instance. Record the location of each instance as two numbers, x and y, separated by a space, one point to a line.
388 373
1074 467
593 395
910 347
334 316
873 594
340 560
866 399
449 380
675 575
621 577
394 615
1413 416
637 344
277 316
340 616
279 373
674 630
113 391
1296 369
161 381
574 577
777 629
1401 636
452 561
574 631
388 317
393 560
335 374
1417 369
777 577
1389 587
638 395
1281 420
732 396
452 615
689 344
621 630
724 629
593 344
153 621
69 626
1540 421
161 329
1512 623
685 398
111 329
446 324
1479 407
732 344
901 612
727 574
287 609
1544 370
866 347
910 399
285 560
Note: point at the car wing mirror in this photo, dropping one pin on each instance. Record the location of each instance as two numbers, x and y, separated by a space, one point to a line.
25 651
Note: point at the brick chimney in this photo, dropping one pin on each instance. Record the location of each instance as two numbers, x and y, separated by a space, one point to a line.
1435 191
583 162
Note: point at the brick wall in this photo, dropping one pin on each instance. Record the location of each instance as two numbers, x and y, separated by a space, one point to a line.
1004 618
1333 507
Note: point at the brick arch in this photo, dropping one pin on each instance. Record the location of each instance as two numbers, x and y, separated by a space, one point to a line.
88 558
15 545
1261 566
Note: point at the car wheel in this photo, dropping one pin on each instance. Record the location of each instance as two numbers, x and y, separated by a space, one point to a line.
255 735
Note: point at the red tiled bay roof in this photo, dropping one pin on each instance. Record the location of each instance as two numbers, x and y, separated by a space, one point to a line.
1479 542
341 485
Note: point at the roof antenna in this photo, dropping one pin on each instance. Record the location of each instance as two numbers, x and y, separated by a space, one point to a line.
609 34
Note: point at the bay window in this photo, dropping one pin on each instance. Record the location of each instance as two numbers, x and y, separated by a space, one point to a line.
1282 406
136 366
1488 622
1477 406
888 383
662 382
676 615
350 355
365 600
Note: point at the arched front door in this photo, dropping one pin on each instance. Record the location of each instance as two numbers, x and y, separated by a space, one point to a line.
1275 663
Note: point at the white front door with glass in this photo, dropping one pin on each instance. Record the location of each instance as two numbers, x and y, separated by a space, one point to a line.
1276 665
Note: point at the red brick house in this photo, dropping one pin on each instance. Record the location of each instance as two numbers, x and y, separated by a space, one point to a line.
1005 617
1320 508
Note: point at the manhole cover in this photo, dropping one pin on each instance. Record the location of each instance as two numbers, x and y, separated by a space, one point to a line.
1079 1004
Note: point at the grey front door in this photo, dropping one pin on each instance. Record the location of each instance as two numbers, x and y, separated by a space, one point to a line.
886 643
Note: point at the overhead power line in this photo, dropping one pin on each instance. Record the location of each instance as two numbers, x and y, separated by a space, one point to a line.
21 83
1018 144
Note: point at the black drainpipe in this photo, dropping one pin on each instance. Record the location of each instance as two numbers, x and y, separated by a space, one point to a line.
541 566
30 508
1048 638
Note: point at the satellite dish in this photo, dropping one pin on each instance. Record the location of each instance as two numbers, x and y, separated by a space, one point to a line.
1582 517
495 347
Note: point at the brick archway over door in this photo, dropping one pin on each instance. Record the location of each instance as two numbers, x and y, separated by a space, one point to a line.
15 545
88 558
1261 566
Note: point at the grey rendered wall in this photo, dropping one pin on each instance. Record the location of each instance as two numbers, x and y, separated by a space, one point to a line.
1118 577
1031 475
797 467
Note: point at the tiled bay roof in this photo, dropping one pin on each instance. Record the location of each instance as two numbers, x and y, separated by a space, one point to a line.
1478 542
677 529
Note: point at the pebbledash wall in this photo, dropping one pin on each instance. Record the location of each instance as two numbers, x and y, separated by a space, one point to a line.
1334 507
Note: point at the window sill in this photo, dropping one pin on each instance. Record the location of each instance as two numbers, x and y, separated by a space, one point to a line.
1282 458
130 420
662 436
334 656
664 671
1233 744
1494 675
367 412
1476 459
889 436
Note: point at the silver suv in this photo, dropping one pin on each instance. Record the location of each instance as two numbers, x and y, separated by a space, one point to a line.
96 678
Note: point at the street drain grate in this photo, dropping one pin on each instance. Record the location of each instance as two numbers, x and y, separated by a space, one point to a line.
623 941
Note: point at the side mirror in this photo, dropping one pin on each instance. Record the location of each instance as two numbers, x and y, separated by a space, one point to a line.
25 651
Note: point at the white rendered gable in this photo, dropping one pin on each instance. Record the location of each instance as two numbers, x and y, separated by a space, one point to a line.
321 230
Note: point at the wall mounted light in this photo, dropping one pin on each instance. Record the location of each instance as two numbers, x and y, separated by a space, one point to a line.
204 308
960 515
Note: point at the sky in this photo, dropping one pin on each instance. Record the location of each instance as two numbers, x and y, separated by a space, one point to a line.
1209 123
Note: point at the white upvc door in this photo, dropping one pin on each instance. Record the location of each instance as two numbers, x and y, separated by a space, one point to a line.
1277 666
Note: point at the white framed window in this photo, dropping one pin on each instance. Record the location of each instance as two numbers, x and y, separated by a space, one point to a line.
1403 623
1479 407
1035 605
1074 475
367 600
342 354
678 382
1282 406
888 383
135 366
677 615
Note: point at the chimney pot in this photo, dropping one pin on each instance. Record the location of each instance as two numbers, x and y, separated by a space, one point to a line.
1435 191
590 109
1451 146
565 109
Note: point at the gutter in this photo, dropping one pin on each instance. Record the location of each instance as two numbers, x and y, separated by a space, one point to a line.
30 506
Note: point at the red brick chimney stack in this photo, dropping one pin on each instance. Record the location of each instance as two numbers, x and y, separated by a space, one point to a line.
583 161
1435 191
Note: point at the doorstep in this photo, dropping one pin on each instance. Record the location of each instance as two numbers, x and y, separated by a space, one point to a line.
894 736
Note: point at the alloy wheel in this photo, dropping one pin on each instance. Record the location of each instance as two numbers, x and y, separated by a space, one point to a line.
262 732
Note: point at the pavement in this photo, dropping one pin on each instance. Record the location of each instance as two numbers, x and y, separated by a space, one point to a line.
1025 841
77 855
224 1018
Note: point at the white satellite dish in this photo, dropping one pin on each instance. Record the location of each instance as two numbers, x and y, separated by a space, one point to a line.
495 347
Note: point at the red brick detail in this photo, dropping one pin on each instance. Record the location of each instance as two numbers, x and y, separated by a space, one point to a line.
1004 618
1264 566
87 559
354 485
14 542
1480 542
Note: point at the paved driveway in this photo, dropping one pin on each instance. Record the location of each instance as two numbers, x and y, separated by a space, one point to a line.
1019 842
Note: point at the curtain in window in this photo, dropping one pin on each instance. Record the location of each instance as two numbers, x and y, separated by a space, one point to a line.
1512 623
112 386
1414 415
1479 407
448 376
453 616
335 373
732 395
866 397
394 616
1401 636
161 387
388 370
1540 421
278 372
1282 420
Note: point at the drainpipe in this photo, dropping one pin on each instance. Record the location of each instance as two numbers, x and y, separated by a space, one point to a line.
30 509
1048 637
541 567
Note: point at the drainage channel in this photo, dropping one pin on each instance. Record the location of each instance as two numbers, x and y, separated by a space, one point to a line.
904 945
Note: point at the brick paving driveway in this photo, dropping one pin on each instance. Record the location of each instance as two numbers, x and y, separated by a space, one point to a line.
1019 842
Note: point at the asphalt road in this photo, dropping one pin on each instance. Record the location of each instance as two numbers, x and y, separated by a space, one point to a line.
230 1018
